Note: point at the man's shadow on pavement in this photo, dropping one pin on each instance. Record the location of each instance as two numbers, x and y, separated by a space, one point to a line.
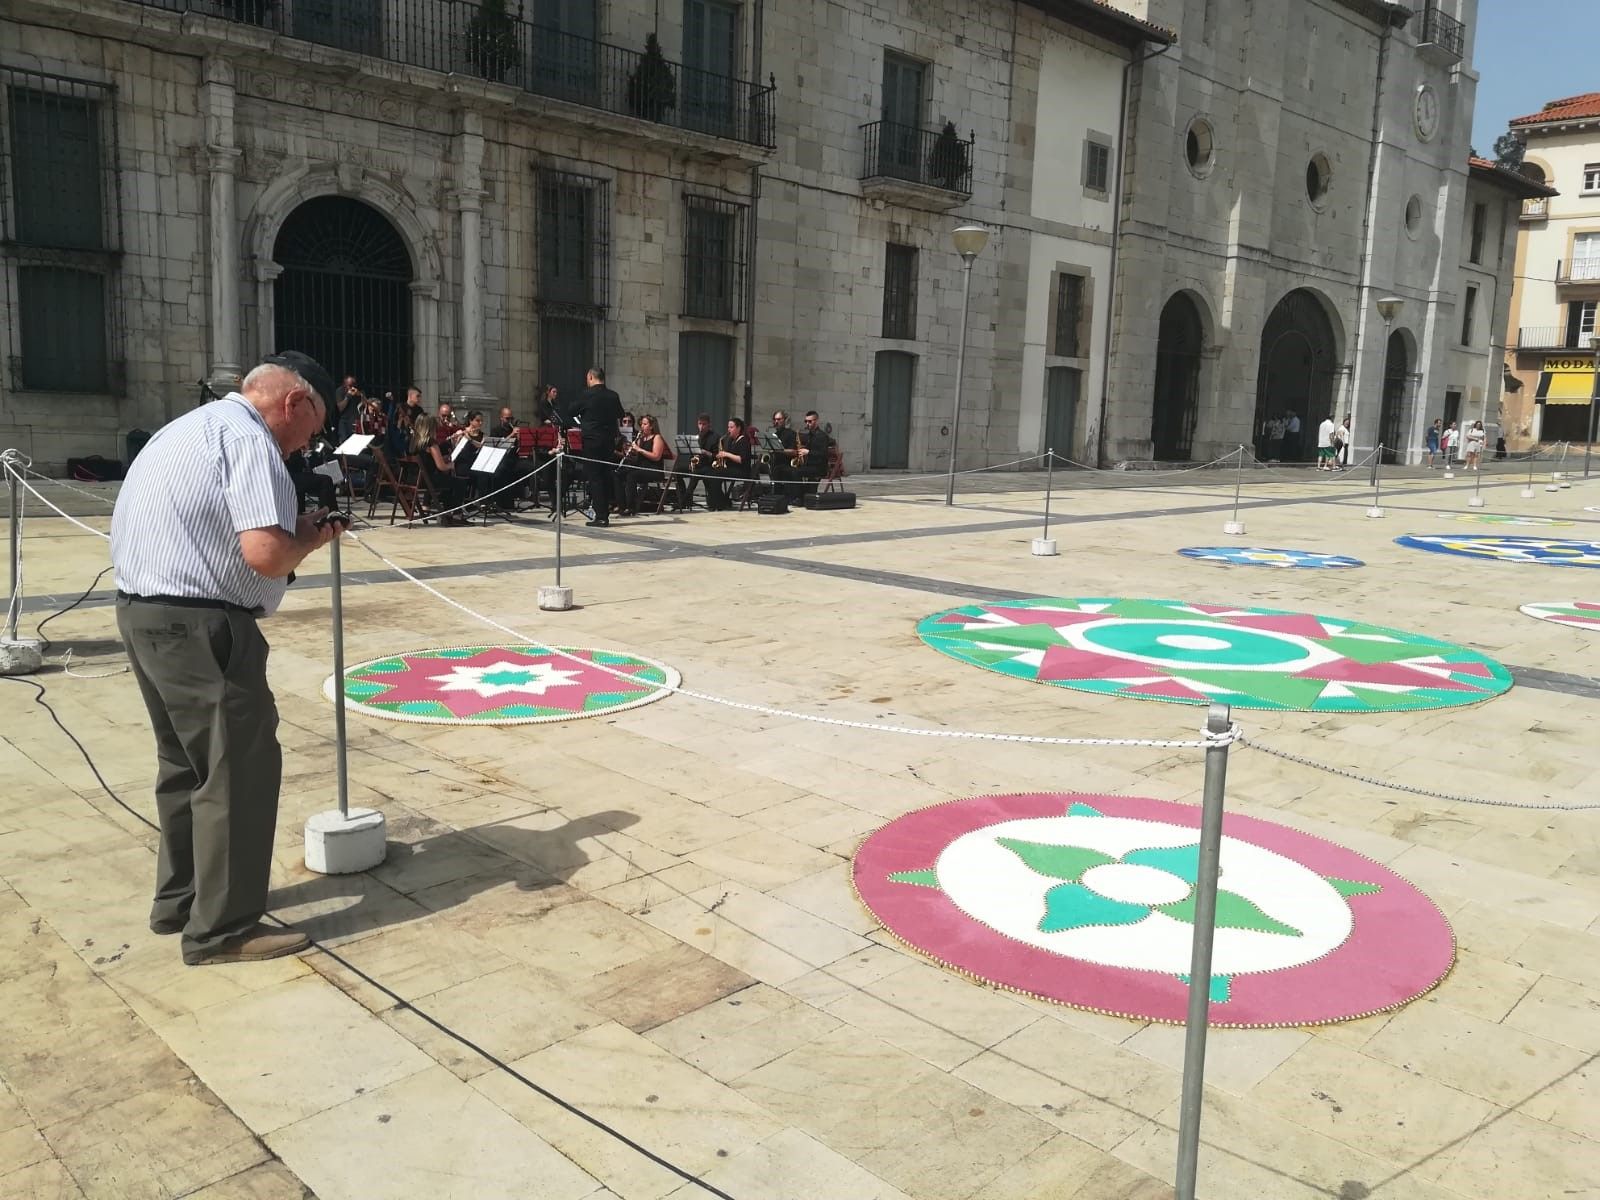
437 868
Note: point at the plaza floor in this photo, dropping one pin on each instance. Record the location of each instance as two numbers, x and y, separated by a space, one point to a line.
621 957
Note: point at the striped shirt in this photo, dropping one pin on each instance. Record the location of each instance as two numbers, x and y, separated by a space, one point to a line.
200 482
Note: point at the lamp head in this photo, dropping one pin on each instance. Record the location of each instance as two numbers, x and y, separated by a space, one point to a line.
1389 307
969 240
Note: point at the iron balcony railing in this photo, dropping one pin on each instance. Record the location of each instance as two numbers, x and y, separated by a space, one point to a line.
1440 29
932 157
1536 209
1584 269
1553 337
465 37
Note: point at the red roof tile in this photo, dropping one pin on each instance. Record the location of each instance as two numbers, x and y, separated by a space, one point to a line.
1516 181
1570 109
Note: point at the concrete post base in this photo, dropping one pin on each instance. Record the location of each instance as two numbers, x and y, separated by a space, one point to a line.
1474 501
1527 493
343 845
1043 547
1374 511
21 657
1233 527
555 599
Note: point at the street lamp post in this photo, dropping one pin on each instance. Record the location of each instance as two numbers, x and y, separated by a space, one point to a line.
1594 398
969 242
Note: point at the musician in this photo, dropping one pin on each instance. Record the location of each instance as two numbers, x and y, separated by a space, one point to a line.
646 458
731 467
597 412
506 426
811 456
434 466
782 463
699 465
472 434
445 425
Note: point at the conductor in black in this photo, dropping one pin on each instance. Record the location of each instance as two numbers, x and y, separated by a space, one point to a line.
597 413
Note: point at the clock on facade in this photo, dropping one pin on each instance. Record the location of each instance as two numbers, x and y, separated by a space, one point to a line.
1425 112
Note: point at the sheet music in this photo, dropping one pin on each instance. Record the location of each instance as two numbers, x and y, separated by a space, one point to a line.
354 444
462 442
331 470
488 459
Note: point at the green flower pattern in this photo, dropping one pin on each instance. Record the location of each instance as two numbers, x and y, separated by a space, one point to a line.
1073 904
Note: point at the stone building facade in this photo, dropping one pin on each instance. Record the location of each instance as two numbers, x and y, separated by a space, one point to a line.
1291 164
1552 335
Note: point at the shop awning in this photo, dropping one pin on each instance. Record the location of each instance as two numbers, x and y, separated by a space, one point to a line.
1566 381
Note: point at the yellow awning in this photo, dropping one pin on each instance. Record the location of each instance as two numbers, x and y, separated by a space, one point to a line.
1566 381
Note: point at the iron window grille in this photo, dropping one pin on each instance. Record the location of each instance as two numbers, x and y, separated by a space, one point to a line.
573 231
1069 316
900 292
714 267
61 213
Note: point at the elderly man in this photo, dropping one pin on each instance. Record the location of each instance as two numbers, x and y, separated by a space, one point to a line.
204 536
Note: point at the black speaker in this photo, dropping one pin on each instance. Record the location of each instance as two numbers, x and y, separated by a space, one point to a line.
821 500
772 504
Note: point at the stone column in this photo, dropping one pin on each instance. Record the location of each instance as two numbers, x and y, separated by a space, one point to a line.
425 339
266 316
222 158
467 200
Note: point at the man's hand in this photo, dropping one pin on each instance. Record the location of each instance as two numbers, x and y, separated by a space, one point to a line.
315 530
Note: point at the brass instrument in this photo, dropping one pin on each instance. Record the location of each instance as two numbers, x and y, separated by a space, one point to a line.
720 464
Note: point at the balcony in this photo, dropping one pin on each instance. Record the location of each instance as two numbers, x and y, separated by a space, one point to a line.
1581 272
1440 37
1537 209
1553 337
919 168
456 36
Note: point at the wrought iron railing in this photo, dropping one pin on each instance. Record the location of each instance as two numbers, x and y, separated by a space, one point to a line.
1440 29
1552 337
1536 209
462 37
1584 269
932 157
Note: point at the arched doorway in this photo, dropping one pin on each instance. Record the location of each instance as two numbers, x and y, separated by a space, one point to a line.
1177 396
344 296
1299 357
1396 383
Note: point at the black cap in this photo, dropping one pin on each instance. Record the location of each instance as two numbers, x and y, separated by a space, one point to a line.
308 369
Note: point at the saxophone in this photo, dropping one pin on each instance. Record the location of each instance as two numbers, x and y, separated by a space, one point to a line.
718 464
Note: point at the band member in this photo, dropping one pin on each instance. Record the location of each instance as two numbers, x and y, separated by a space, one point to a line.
782 464
642 464
506 426
811 456
731 467
700 464
598 413
445 426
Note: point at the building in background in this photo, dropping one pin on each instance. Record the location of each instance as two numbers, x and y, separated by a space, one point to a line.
1550 333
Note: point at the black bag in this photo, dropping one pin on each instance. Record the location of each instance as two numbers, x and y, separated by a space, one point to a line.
94 469
772 504
823 500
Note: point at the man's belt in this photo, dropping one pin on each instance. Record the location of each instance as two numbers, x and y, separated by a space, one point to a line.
189 602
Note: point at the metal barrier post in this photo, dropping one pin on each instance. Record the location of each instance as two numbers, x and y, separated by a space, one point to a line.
1218 721
1045 545
1377 483
556 597
1527 488
1476 499
341 767
14 608
1236 526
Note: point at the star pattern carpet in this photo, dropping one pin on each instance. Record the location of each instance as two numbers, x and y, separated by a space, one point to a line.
1553 552
1200 654
502 685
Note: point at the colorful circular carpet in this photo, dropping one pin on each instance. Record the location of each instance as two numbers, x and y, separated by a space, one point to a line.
1090 901
1580 614
1258 556
1498 519
1204 653
502 685
1550 551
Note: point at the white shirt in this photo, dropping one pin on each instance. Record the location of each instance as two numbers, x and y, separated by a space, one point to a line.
199 483
1294 423
1475 440
1325 435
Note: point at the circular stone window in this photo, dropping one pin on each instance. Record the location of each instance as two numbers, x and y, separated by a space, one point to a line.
1319 176
1413 215
1200 147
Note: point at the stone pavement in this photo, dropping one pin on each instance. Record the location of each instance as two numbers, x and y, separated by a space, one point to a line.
606 956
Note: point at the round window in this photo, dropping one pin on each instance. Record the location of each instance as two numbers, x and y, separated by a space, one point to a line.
1319 175
1200 146
1413 215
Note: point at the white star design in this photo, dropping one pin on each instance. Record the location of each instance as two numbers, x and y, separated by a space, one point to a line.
533 679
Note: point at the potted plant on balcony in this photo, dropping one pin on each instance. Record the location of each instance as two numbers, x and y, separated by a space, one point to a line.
947 165
652 88
492 40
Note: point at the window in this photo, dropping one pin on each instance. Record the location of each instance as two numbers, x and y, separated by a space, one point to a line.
1468 310
900 292
62 226
1591 178
713 258
1319 178
1480 230
573 230
1585 257
1067 338
1580 324
1413 215
1097 164
1199 147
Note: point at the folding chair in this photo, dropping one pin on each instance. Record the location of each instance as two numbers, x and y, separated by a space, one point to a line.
403 495
835 473
667 481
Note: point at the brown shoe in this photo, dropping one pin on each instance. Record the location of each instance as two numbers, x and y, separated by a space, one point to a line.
262 942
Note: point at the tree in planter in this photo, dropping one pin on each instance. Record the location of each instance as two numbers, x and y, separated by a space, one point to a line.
947 165
492 40
652 89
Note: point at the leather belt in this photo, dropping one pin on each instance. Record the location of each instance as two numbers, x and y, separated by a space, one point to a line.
189 602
